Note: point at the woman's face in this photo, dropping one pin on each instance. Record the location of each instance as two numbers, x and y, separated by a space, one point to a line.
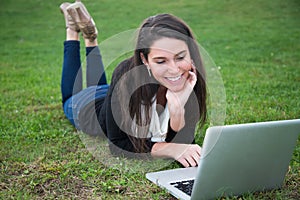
170 62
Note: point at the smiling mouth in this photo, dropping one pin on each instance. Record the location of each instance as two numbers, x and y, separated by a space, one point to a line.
176 78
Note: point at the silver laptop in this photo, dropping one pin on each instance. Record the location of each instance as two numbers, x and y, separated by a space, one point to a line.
235 159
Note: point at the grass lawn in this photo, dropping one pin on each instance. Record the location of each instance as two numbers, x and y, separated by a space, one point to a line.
256 45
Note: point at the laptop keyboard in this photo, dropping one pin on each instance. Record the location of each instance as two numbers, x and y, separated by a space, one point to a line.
185 186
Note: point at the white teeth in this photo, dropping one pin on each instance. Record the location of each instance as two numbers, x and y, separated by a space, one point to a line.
174 78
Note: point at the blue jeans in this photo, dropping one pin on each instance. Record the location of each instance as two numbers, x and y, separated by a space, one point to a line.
75 99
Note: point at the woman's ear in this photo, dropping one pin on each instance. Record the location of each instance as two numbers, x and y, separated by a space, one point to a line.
144 61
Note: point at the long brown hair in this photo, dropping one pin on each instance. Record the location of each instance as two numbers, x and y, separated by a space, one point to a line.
146 87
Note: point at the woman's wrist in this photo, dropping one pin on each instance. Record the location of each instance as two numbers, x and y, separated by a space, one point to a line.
162 150
177 120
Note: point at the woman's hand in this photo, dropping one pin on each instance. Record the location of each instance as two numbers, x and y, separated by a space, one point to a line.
177 100
186 154
190 155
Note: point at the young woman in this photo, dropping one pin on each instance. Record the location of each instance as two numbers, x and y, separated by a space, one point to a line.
156 97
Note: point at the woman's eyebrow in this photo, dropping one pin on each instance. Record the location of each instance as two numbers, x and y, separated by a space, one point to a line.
181 52
158 58
161 57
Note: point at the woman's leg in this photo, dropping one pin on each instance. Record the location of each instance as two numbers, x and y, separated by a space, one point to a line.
71 82
81 106
95 73
84 21
97 86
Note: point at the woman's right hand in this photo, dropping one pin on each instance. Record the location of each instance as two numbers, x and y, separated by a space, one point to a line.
189 154
186 154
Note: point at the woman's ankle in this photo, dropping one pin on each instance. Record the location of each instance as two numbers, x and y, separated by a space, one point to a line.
71 34
88 43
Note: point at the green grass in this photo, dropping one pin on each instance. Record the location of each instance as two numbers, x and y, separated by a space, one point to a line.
255 43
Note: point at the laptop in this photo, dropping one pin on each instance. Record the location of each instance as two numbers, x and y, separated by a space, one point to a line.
235 159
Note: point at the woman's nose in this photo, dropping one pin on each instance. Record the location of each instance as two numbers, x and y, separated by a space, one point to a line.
173 67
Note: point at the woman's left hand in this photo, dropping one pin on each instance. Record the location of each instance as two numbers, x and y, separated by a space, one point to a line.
178 99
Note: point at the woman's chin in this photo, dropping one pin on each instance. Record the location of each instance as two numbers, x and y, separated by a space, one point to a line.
175 88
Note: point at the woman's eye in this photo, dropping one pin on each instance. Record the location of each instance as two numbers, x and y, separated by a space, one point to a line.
160 62
180 58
